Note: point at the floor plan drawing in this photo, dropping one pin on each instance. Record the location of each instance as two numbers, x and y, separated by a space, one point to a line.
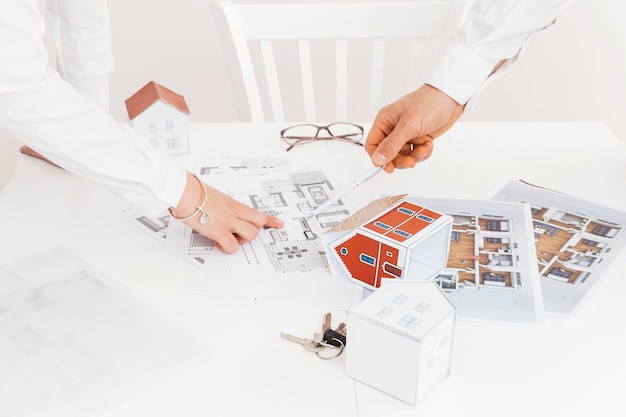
153 226
294 252
489 274
291 194
575 241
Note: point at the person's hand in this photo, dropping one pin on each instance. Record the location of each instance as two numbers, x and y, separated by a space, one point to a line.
230 223
403 132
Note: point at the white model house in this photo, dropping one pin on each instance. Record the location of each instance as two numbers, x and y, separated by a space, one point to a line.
400 339
162 116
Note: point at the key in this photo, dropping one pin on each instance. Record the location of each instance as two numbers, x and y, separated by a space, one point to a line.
308 344
341 328
326 324
334 338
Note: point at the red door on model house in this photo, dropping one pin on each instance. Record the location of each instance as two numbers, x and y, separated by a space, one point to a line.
369 260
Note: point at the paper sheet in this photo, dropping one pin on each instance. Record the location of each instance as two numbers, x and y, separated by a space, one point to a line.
74 342
577 241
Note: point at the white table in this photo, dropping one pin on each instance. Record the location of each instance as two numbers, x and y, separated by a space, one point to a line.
565 366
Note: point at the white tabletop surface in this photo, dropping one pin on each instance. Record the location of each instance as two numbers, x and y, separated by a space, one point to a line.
565 366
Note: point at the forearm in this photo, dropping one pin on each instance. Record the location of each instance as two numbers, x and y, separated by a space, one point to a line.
76 134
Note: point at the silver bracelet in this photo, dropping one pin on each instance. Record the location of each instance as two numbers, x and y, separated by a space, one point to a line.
200 209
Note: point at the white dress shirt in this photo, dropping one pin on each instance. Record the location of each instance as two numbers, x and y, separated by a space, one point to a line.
493 31
62 114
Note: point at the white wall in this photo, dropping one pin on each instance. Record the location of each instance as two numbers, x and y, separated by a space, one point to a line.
574 71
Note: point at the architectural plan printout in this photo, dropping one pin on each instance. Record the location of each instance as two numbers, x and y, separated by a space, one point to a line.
490 272
289 262
510 260
576 241
58 317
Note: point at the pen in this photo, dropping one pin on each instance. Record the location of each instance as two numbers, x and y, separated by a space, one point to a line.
345 191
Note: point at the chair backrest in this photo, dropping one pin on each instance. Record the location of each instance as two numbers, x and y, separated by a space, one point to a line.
335 61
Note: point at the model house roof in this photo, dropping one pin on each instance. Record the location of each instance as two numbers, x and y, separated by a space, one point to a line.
402 222
149 94
368 212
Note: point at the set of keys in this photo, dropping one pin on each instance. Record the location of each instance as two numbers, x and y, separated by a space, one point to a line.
328 338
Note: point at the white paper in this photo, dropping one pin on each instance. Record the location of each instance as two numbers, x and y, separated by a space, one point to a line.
74 342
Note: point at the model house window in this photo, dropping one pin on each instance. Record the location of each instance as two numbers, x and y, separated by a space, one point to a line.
152 126
406 211
409 322
400 299
173 143
445 341
384 312
154 142
344 251
425 218
169 126
382 225
366 259
421 307
402 233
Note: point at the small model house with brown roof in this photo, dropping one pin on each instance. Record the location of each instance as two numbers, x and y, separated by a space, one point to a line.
161 116
403 241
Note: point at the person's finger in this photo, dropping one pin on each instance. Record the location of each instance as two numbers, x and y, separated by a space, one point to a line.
411 154
226 241
258 218
403 162
244 231
376 135
423 151
274 222
388 149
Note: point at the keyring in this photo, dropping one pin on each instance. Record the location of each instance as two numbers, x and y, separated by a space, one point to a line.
331 357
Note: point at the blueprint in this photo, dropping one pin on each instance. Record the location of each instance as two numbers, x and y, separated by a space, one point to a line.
287 261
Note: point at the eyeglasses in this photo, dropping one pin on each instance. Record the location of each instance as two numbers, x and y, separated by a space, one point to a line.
305 133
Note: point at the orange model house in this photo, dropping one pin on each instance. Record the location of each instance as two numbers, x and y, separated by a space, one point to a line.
405 241
161 116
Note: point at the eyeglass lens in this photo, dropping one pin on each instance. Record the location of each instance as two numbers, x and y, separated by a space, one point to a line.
303 133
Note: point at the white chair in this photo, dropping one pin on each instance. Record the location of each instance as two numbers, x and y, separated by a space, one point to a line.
329 61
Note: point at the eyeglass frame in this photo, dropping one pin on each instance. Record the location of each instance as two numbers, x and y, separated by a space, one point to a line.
316 137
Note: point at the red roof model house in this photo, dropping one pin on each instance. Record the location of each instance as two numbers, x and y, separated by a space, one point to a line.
405 241
162 116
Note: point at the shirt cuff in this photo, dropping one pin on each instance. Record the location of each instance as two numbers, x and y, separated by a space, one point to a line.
460 73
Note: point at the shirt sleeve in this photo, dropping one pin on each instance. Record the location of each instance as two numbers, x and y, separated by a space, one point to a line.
493 31
82 40
47 113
